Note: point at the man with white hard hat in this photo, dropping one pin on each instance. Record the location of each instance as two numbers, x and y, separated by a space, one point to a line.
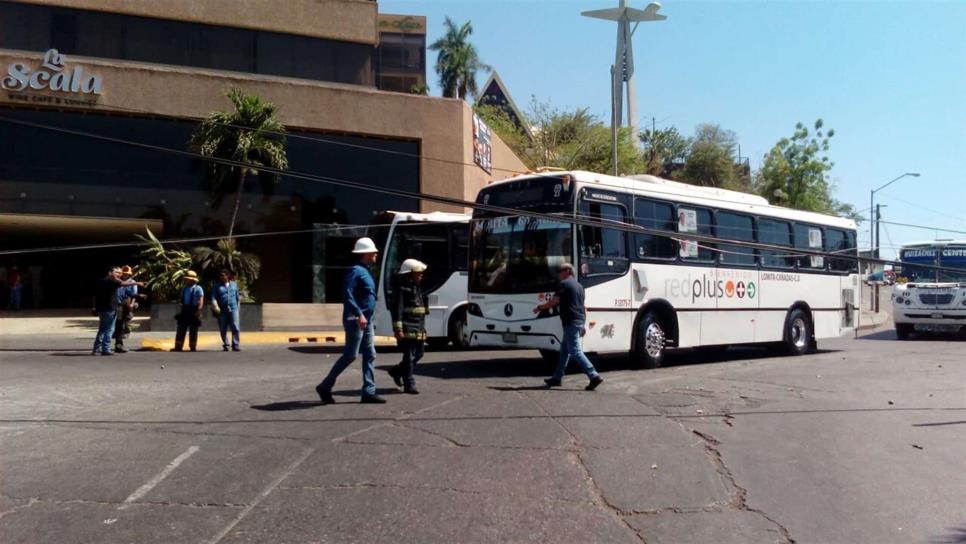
409 309
359 292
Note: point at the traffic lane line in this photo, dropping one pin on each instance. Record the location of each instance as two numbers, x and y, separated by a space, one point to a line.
158 478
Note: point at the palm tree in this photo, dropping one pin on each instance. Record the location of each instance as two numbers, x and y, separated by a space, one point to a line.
251 135
458 61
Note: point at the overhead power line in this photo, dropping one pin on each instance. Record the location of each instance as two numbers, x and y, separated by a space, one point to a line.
613 225
326 141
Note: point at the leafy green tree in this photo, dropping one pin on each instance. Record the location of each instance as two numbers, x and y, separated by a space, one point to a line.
710 160
162 269
566 139
795 172
664 151
251 134
458 61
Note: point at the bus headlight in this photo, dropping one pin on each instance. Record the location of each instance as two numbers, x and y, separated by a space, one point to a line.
899 300
474 309
908 301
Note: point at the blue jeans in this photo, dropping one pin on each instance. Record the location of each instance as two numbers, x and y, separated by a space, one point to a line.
16 296
412 351
570 347
229 318
356 341
105 330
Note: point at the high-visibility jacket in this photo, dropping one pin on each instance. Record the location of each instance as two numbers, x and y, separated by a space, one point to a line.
409 310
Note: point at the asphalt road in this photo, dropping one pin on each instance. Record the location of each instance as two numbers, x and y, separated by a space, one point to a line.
861 442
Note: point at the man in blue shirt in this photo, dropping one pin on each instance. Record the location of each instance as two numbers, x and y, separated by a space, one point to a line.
189 318
225 298
359 292
570 299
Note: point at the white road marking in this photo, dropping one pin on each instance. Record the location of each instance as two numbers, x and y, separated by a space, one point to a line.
144 489
265 492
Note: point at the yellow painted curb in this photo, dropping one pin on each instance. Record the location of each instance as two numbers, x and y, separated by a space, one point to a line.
213 340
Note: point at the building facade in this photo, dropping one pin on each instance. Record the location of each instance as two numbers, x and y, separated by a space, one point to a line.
147 72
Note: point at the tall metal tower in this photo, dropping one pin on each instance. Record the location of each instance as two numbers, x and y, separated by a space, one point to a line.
622 72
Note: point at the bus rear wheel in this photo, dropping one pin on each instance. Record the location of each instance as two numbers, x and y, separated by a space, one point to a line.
903 330
651 342
798 332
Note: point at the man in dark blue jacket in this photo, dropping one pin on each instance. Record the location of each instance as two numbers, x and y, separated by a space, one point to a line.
359 304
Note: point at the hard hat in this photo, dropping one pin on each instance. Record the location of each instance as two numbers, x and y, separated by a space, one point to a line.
412 265
365 245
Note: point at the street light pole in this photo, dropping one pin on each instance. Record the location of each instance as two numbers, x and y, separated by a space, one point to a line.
874 241
874 233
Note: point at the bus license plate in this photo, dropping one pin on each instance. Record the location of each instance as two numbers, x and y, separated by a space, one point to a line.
510 337
937 315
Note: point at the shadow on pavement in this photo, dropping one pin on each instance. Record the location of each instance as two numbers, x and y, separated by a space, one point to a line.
890 335
939 424
62 351
287 406
334 348
956 536
520 388
530 364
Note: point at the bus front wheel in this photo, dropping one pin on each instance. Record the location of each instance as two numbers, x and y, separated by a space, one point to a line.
798 332
457 329
651 342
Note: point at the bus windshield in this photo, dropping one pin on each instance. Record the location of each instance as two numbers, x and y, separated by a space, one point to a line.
953 257
518 254
913 260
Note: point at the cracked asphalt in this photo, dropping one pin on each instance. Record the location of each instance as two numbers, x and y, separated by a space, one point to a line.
861 442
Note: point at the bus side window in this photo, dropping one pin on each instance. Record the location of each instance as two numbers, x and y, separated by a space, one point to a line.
779 233
840 241
602 250
652 214
695 220
809 238
736 226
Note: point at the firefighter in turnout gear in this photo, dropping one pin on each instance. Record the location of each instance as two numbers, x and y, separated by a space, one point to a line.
409 309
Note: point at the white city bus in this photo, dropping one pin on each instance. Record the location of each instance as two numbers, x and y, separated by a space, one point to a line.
929 299
647 293
440 240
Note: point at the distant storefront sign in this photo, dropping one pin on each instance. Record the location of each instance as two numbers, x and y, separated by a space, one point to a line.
53 74
406 24
482 146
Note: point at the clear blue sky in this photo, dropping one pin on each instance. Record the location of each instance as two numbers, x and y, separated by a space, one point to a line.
889 77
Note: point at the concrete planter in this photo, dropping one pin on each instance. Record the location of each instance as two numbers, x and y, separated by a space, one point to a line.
162 318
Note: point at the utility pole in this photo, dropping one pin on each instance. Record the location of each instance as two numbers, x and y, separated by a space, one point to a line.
878 218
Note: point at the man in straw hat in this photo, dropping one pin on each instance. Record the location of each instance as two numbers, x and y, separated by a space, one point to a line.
189 317
359 290
126 296
105 308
